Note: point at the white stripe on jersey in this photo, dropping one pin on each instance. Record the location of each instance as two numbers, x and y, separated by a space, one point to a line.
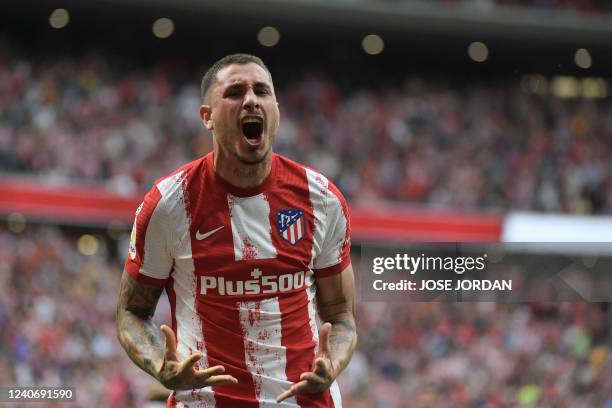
264 354
292 238
318 189
251 228
188 323
311 292
299 228
335 394
330 233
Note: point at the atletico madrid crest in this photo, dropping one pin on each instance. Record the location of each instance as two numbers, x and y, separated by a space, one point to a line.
291 225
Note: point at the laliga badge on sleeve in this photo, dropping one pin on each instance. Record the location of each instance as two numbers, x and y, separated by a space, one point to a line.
132 250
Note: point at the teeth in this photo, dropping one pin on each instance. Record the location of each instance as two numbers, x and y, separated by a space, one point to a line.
252 120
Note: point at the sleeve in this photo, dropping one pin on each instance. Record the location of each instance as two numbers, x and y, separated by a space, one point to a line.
149 259
335 253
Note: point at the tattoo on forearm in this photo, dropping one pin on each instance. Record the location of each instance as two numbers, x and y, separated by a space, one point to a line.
141 339
343 339
335 302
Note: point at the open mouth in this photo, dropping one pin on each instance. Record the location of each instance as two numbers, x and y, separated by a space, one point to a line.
252 128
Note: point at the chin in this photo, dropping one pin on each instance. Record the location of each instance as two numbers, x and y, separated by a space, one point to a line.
252 158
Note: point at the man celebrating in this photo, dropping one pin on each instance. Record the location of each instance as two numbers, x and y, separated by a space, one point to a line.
249 247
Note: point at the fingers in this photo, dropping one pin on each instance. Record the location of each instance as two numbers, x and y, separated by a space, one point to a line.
209 372
310 381
219 380
189 362
313 379
324 337
322 367
296 388
170 341
211 377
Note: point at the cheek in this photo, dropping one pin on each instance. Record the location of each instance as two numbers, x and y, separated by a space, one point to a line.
275 118
224 120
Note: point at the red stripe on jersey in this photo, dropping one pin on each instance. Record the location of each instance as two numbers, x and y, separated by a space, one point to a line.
292 181
298 340
132 266
207 207
297 337
225 346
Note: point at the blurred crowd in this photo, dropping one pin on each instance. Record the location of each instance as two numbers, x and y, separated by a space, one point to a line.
465 146
57 319
483 355
57 309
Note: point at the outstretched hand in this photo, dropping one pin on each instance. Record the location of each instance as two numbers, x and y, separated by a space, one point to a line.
323 371
182 375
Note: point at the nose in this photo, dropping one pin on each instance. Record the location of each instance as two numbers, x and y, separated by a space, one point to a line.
251 102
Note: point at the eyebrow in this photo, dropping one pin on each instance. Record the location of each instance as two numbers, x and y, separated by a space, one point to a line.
257 85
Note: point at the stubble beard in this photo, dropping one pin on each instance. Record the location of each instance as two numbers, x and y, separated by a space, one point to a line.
252 162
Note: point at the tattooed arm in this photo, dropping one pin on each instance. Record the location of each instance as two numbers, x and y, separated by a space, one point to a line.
154 349
337 336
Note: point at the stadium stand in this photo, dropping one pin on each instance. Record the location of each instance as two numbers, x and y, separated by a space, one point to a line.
87 122
52 287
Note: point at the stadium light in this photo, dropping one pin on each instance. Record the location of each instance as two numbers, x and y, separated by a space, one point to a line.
88 244
59 18
373 44
565 87
163 27
594 88
268 36
16 222
478 51
582 57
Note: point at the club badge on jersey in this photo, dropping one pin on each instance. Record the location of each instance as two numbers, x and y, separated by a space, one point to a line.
291 225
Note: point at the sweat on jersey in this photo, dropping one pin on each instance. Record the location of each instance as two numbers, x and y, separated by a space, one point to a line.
240 269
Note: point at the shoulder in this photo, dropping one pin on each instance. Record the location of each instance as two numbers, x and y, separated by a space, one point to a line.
322 190
169 191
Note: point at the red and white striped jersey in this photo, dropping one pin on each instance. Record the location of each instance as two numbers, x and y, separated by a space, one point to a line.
240 269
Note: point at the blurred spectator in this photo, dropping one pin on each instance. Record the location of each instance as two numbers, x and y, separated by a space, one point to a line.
470 146
57 327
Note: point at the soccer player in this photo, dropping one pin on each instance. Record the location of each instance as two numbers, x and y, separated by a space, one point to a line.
249 246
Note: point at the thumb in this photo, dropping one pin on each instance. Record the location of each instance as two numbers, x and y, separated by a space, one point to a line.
324 338
170 342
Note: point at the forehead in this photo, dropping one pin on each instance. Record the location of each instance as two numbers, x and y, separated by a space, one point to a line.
242 73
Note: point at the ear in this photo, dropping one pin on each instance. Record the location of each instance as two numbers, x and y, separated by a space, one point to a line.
206 116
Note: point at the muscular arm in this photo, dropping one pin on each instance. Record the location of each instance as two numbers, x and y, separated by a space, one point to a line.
154 349
337 336
336 305
141 339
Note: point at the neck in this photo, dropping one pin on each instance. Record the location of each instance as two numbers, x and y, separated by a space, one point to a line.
240 174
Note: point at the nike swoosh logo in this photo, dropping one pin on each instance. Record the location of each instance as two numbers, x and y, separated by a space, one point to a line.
200 237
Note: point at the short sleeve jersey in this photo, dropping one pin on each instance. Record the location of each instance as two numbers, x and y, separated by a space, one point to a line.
240 269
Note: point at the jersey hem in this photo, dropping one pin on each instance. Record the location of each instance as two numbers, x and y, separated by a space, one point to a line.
333 269
133 270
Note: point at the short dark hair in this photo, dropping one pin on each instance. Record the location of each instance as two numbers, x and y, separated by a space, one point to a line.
210 76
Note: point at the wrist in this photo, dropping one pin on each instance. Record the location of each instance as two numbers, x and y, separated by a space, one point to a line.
158 369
